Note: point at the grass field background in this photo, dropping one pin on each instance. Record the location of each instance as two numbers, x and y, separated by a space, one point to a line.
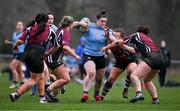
169 99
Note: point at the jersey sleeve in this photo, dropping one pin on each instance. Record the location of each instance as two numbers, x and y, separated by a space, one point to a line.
66 38
23 37
131 40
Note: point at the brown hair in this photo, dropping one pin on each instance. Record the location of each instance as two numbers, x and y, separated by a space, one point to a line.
101 14
143 29
121 30
50 13
66 21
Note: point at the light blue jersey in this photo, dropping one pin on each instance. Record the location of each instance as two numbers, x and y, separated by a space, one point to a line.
96 40
54 28
15 37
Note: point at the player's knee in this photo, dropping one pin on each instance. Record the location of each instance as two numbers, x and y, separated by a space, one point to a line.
133 77
91 75
11 67
67 80
111 80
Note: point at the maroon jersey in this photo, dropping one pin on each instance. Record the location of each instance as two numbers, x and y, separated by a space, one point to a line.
43 39
121 54
142 43
63 37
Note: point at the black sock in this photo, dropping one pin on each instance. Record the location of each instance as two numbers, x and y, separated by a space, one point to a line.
127 82
154 99
46 86
15 82
108 84
138 92
22 83
96 93
106 88
85 92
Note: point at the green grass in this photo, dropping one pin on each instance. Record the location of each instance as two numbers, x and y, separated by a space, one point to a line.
169 98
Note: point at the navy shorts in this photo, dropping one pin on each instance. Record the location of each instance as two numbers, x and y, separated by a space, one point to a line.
122 64
53 61
154 60
18 56
100 61
34 58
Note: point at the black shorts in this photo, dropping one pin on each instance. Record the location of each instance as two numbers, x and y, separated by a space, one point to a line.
53 61
81 68
122 64
18 56
100 61
154 60
34 58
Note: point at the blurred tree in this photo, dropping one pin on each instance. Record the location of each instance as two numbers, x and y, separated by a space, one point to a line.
117 12
14 10
166 17
162 15
58 7
169 24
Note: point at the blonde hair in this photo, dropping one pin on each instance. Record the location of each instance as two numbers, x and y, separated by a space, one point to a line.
66 21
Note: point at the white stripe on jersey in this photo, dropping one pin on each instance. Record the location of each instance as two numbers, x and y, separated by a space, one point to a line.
138 38
60 36
50 58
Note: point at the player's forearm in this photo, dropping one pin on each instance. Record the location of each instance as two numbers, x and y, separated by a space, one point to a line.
18 42
111 45
69 50
52 50
8 42
129 49
79 23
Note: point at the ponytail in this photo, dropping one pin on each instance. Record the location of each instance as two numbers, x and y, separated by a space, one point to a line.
40 20
31 23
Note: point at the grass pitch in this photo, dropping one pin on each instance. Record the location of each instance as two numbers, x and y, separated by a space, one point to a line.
169 99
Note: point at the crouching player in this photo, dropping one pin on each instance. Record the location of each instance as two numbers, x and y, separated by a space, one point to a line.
124 60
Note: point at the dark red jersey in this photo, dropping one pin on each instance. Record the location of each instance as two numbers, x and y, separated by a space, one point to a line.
63 38
43 39
142 43
121 54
